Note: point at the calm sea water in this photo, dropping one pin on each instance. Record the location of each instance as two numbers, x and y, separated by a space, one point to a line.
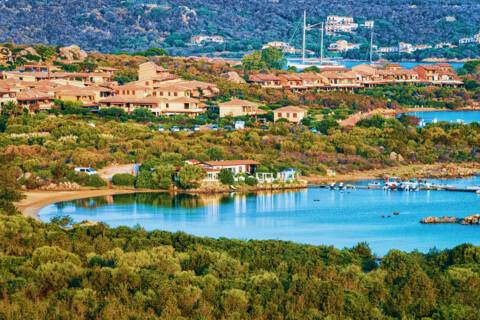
313 216
467 116
352 63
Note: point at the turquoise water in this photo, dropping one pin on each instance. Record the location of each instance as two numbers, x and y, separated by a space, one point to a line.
468 116
352 63
313 216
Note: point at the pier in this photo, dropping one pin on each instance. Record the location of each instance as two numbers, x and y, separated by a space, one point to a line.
474 189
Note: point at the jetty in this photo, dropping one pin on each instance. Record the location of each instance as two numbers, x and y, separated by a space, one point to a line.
433 187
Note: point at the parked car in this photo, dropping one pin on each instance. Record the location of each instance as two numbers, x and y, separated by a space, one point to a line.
228 128
174 129
160 128
196 128
88 171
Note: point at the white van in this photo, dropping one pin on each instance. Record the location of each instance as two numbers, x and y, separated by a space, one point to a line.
88 171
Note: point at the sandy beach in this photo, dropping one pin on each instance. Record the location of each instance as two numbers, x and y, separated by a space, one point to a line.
36 200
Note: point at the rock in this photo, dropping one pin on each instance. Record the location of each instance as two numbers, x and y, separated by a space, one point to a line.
73 53
475 219
400 158
436 220
27 51
393 156
233 77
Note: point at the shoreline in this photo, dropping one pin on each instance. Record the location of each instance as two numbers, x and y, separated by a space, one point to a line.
35 200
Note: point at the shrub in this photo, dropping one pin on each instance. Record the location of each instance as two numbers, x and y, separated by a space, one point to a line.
226 177
123 179
144 180
251 181
95 181
190 177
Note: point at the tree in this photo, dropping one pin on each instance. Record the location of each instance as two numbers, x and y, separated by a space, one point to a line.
274 58
9 190
190 176
253 61
226 177
162 176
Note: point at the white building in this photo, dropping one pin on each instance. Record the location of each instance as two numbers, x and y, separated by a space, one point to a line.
201 39
343 46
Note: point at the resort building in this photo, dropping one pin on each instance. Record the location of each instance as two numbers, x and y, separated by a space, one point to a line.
201 39
343 46
337 24
266 80
238 107
290 113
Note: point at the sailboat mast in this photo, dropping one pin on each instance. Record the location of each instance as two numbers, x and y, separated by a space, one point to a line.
321 46
304 35
371 44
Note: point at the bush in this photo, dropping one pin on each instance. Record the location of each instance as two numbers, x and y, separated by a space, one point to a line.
226 177
123 179
251 181
95 181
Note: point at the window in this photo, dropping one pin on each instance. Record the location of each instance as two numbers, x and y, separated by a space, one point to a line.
186 106
279 114
175 94
294 115
288 114
167 106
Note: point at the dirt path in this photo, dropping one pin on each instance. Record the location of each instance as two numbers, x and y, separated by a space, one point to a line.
108 172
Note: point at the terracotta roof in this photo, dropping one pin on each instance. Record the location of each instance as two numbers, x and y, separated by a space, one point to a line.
263 77
239 103
290 77
123 99
33 95
184 100
290 109
226 163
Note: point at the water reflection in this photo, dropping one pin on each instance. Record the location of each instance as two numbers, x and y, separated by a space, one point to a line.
315 216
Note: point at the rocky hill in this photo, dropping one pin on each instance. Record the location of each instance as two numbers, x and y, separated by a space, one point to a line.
129 25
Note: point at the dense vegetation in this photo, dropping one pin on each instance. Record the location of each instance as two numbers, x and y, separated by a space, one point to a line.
94 272
137 25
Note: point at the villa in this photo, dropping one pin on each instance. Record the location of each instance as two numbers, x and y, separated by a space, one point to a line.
238 107
290 113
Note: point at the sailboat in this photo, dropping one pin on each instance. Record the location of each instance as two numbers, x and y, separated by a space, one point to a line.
315 62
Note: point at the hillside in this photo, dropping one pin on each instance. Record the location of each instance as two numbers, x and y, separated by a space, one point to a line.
132 25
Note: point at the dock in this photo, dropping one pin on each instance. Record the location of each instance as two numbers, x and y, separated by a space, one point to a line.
474 189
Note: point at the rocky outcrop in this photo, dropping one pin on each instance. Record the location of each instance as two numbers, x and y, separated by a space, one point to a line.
438 220
475 219
233 77
73 53
62 186
470 220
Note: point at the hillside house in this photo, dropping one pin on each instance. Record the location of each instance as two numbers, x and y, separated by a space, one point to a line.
266 80
291 81
290 113
238 107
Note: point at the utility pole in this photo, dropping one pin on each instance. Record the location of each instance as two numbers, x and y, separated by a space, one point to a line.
371 44
321 45
304 35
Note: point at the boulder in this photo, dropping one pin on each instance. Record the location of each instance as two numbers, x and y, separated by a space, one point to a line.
233 77
27 51
73 53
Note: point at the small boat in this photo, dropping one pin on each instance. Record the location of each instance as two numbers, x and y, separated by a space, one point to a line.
396 213
374 185
392 183
411 185
341 186
333 185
